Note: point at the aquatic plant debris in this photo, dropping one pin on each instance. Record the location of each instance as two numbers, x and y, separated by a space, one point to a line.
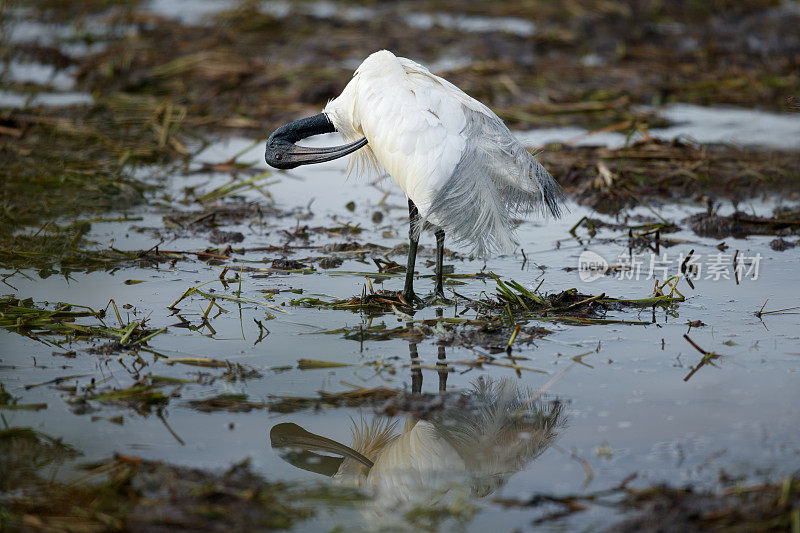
132 492
708 358
25 318
512 297
310 364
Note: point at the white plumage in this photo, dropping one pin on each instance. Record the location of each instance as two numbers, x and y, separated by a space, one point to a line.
451 155
461 452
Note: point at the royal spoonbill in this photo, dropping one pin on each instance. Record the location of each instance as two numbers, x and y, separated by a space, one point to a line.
458 453
461 168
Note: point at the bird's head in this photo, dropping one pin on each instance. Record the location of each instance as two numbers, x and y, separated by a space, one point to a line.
283 153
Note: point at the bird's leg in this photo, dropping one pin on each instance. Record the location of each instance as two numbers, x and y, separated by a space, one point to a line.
413 237
439 290
441 368
416 370
438 293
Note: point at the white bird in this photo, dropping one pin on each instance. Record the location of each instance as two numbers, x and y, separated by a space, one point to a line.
460 166
461 452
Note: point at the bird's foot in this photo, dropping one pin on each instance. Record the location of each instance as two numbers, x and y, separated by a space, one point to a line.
411 300
437 298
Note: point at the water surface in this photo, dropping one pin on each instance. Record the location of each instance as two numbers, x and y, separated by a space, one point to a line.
626 408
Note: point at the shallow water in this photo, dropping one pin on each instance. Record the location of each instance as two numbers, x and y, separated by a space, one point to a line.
626 409
199 12
13 100
703 125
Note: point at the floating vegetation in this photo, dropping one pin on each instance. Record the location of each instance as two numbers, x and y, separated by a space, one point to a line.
212 298
231 402
311 364
238 402
511 297
491 333
128 492
375 303
257 183
499 320
570 305
741 224
754 507
23 317
353 398
375 332
708 358
213 215
794 310
771 506
141 396
198 361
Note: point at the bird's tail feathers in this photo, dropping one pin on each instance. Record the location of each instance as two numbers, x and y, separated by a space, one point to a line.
472 214
503 430
496 180
533 190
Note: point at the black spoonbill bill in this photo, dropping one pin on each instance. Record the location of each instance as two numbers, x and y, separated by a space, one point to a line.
461 168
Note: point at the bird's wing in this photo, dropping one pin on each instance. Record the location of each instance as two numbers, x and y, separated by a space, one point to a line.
449 153
411 127
414 69
495 177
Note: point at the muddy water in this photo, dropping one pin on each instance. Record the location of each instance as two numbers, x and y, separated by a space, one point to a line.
626 408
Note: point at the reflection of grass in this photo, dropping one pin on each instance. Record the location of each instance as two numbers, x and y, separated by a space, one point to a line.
708 358
7 401
212 298
141 396
254 182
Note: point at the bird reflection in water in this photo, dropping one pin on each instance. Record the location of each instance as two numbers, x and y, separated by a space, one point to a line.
467 449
